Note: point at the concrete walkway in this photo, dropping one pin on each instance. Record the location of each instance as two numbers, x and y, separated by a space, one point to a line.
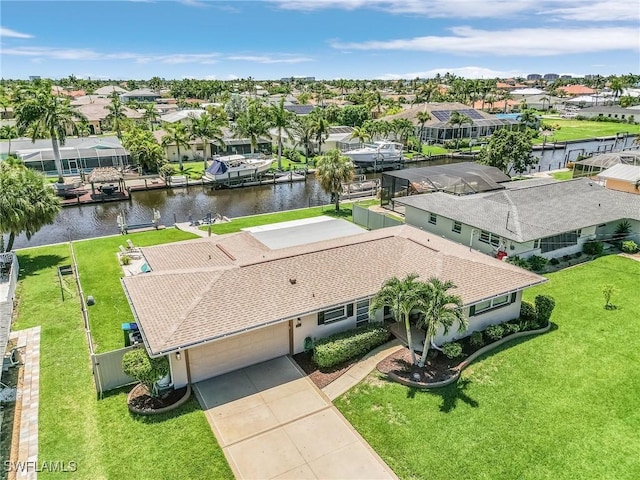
360 370
187 227
272 422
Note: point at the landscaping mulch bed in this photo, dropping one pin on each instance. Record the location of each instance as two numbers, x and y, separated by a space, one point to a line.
323 377
141 400
436 369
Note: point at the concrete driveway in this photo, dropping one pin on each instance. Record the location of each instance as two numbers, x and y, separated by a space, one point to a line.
274 423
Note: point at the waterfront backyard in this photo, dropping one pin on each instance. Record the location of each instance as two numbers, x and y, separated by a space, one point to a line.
562 405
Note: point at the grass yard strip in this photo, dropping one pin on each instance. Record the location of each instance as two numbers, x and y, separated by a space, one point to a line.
239 223
101 436
584 129
563 175
562 405
100 275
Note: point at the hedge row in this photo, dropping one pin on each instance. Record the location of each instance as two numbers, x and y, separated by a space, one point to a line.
344 346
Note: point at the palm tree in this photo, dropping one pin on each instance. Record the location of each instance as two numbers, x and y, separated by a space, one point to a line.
423 117
546 100
116 116
176 134
150 114
402 297
443 310
458 119
303 131
402 128
27 202
332 171
38 111
361 133
320 128
9 132
282 120
206 129
252 124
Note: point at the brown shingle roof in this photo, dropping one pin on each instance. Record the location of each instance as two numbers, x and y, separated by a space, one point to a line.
206 301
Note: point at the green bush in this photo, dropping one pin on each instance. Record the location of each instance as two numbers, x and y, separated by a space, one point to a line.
544 307
477 339
137 364
554 261
527 325
344 346
629 246
528 311
536 262
494 332
566 258
593 247
452 350
511 327
577 254
518 262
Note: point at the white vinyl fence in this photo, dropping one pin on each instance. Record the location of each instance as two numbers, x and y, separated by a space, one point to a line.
372 220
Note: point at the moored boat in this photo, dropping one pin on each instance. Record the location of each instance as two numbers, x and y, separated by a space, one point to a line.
234 167
380 155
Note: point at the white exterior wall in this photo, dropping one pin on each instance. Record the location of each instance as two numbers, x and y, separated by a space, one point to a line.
309 328
482 321
171 153
179 375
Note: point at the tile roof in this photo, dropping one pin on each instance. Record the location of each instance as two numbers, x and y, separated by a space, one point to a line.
220 296
538 211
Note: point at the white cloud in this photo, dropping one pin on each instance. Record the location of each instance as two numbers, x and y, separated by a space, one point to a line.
268 59
530 42
466 72
193 3
582 10
7 32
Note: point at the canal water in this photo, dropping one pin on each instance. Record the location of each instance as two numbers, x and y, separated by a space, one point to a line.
180 204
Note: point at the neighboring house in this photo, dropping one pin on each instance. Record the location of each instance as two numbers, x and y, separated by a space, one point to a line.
339 137
76 154
96 113
300 109
140 95
625 178
183 116
438 129
218 304
592 166
613 112
108 90
527 218
577 90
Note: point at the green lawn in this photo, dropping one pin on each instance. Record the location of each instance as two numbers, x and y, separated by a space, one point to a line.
581 129
563 175
100 275
265 219
101 436
563 405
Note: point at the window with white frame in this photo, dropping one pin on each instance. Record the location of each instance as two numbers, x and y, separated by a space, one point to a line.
490 238
457 227
362 312
335 314
492 304
433 218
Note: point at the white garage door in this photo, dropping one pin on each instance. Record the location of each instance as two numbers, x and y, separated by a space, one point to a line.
239 351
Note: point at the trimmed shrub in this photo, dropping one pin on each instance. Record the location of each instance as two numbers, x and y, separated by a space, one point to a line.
528 312
554 261
577 254
544 307
137 364
593 247
344 346
510 328
527 325
452 350
536 262
494 332
629 246
566 258
518 262
477 339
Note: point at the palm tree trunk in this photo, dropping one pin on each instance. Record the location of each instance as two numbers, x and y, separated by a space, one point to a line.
425 351
407 325
204 152
12 237
279 149
56 156
179 158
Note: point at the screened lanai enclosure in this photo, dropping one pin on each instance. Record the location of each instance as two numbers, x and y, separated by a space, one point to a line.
77 155
592 166
463 178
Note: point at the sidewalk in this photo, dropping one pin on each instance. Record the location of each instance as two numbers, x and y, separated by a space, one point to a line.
360 370
187 227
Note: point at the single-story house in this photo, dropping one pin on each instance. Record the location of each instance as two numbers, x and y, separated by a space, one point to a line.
625 178
214 305
183 116
338 137
140 95
592 166
528 217
612 111
108 90
76 154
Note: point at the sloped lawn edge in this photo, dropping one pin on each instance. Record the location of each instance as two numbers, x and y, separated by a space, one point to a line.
466 362
134 392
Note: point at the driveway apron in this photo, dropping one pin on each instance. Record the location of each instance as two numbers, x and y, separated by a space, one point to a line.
273 423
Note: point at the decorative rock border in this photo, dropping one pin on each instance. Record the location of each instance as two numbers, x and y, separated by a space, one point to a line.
467 361
168 408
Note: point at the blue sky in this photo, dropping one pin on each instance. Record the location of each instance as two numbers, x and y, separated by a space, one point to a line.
327 39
